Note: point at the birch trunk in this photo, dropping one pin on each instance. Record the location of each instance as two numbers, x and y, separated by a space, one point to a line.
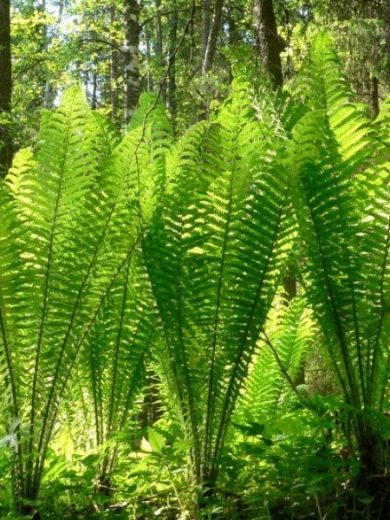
171 93
159 50
114 72
386 23
206 24
130 57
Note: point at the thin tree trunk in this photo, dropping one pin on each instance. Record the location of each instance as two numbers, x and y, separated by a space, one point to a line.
5 85
151 409
159 49
50 92
171 94
149 77
86 79
213 37
267 39
94 87
289 70
269 47
375 96
43 38
159 37
206 24
130 57
114 72
234 34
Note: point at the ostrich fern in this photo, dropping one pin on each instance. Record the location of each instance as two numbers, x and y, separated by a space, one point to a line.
126 326
70 222
290 332
341 195
107 243
214 255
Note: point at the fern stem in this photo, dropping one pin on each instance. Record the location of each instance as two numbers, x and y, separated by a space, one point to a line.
117 347
19 477
46 292
181 392
228 405
211 389
354 394
97 402
126 407
69 328
375 352
45 441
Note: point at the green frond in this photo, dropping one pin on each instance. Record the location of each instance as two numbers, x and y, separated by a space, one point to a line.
214 256
77 224
165 249
115 351
341 199
292 332
150 109
147 142
122 330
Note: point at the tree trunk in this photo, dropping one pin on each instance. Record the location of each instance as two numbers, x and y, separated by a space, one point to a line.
42 38
269 47
373 478
5 86
114 72
130 57
50 92
386 23
94 87
375 96
159 49
206 24
267 40
159 36
171 94
149 76
212 37
234 33
151 408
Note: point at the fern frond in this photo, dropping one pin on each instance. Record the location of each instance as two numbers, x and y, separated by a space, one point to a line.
77 225
214 257
125 328
341 199
116 350
292 332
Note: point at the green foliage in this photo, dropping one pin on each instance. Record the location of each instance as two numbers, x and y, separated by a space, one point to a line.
123 256
72 226
290 337
341 198
300 465
214 257
125 328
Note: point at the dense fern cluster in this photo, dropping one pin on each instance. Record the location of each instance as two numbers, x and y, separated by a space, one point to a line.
115 251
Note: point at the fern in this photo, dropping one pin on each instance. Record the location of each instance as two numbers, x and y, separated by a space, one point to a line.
341 199
214 255
125 326
116 349
74 226
109 246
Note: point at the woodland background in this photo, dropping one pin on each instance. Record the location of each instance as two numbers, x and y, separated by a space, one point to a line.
184 50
